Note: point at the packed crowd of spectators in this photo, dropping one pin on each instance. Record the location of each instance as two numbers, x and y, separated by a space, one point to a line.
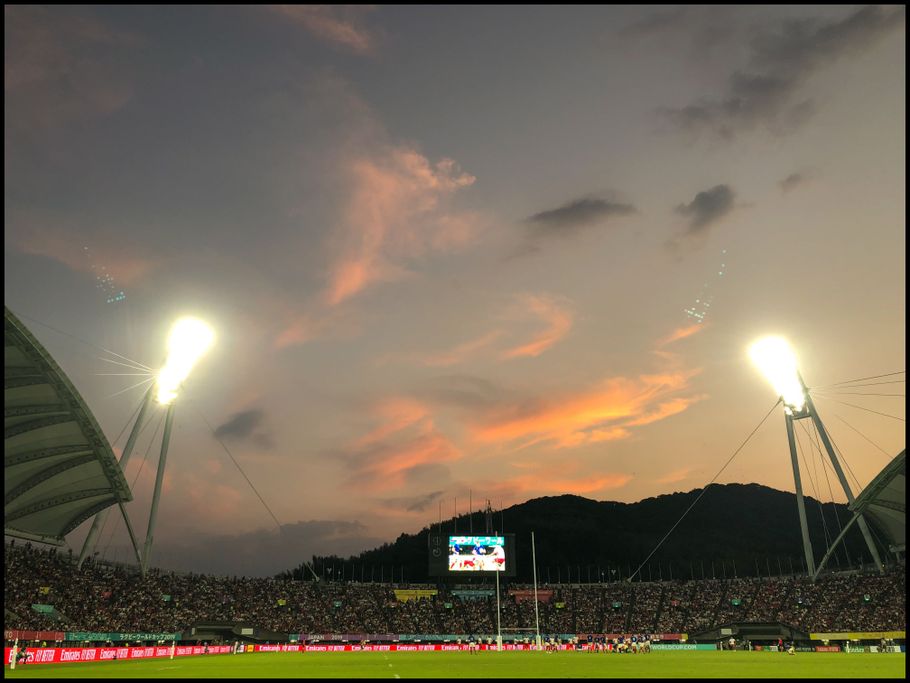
645 606
100 597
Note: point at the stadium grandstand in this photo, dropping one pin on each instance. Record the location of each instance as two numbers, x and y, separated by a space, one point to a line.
60 470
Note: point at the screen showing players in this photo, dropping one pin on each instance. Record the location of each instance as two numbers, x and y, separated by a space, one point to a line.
477 554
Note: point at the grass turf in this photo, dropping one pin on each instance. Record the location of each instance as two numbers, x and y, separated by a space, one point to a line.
393 665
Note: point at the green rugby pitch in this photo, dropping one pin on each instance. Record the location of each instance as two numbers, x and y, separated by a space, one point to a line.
394 665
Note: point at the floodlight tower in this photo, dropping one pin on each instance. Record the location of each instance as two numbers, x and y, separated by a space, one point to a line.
188 341
777 361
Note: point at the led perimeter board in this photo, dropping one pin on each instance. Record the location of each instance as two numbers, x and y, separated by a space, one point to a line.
464 555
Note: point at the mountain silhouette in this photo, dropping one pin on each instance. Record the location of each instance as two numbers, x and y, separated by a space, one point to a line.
735 529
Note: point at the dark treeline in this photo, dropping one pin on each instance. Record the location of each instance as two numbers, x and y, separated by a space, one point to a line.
735 529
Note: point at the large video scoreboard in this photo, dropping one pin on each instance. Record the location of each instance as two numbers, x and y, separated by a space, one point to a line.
487 555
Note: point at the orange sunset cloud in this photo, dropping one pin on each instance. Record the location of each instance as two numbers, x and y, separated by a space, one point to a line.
573 420
333 24
558 322
406 438
395 214
680 333
461 352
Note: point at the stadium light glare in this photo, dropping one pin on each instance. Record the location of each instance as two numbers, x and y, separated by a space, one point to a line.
188 341
777 361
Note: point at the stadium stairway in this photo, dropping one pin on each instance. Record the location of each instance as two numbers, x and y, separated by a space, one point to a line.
625 626
752 599
660 607
689 600
723 596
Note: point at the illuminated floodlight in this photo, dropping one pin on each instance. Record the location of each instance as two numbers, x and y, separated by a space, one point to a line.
187 342
777 361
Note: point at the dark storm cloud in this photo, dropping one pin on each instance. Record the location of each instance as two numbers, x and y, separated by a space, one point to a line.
265 552
575 215
462 391
792 181
656 22
708 207
415 503
244 426
781 58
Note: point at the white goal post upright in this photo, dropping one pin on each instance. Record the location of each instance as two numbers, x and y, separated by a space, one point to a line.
536 608
498 623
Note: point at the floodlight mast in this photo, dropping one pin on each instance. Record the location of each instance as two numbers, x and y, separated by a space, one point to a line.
159 478
800 500
188 340
88 547
860 519
777 361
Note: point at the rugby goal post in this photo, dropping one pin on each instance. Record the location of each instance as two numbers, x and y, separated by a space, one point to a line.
528 631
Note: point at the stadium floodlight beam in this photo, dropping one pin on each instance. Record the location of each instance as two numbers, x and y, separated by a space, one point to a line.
777 361
187 342
189 339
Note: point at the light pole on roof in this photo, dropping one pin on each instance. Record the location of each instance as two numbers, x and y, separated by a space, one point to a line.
777 361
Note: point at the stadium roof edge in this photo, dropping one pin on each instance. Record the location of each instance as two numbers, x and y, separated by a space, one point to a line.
884 499
59 469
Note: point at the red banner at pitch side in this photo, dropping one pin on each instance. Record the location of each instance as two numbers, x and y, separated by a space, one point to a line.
49 636
60 655
522 594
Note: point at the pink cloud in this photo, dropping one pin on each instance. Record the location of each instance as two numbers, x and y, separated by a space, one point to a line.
314 322
396 414
546 482
125 264
601 414
53 72
405 438
680 333
395 213
339 24
557 318
299 330
461 352
675 476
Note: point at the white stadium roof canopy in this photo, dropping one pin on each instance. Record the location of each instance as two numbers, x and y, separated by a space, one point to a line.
885 501
59 469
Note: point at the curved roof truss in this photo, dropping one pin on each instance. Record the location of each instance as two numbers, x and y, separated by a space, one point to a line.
59 469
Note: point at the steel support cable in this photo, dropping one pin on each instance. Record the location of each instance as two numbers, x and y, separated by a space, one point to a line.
868 410
863 435
132 417
127 424
840 454
705 489
825 466
104 524
870 384
83 341
859 393
148 449
863 379
240 469
802 454
881 544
